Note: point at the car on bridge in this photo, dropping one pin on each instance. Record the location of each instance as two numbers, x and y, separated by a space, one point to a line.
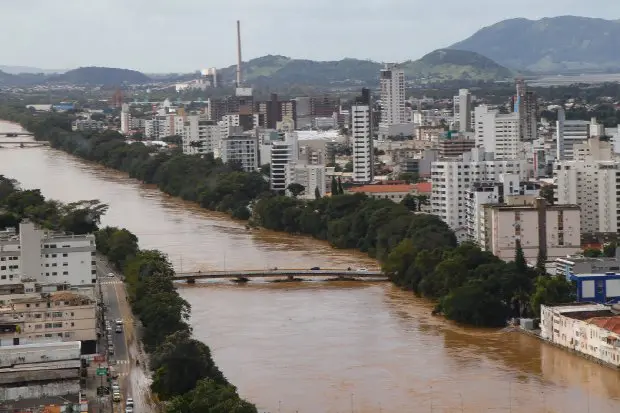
362 270
315 269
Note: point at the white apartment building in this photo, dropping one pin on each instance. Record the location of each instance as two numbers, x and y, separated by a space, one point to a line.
498 133
462 105
159 127
43 317
593 183
568 134
125 119
88 125
392 84
591 329
46 257
554 229
452 178
283 153
199 135
242 149
311 177
362 138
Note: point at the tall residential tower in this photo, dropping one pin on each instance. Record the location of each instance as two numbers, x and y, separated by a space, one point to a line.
392 81
361 130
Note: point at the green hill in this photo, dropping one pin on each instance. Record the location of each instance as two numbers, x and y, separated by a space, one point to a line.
448 65
100 76
557 44
438 66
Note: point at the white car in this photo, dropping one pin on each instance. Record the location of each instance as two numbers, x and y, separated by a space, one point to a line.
362 270
111 274
128 409
129 402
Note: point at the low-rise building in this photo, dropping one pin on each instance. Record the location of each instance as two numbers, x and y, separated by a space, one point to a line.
590 329
88 125
598 288
393 192
43 317
578 264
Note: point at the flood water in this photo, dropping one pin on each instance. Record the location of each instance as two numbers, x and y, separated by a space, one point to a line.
323 346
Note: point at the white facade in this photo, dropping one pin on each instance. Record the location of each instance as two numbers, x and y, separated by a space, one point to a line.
125 119
88 125
463 110
452 178
590 329
199 135
392 81
242 149
361 135
283 153
592 184
310 176
555 229
46 258
498 133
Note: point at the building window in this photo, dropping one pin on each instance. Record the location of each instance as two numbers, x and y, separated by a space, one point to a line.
65 255
57 325
48 325
57 314
65 273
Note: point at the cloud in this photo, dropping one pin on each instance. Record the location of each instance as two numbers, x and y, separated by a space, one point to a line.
166 35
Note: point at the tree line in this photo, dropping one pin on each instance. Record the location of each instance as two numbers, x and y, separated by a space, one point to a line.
184 373
418 251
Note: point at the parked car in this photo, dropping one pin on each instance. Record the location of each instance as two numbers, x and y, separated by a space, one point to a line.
111 274
129 402
111 349
315 269
116 396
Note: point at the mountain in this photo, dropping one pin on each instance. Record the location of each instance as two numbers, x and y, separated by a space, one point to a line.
556 44
16 70
438 66
100 76
448 64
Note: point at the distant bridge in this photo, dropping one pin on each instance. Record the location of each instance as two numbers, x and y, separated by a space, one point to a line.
25 143
291 274
15 134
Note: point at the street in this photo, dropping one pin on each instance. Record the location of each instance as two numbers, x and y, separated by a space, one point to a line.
133 380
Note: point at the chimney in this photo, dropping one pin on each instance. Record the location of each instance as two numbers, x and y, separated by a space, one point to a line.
238 53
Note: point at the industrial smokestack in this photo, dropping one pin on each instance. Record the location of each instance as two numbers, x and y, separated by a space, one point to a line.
238 53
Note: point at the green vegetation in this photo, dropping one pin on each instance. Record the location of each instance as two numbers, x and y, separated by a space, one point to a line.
418 251
557 44
183 370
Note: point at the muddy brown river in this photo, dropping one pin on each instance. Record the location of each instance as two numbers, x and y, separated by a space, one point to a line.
320 346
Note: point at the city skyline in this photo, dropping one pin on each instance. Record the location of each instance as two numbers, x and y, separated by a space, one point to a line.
135 34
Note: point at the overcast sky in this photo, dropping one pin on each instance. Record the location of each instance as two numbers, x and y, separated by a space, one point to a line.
186 35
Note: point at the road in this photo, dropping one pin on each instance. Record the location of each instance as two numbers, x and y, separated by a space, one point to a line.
133 380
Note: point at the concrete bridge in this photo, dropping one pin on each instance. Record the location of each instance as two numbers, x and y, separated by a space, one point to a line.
25 143
244 275
15 134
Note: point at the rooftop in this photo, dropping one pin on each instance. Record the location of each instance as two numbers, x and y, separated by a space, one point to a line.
608 323
383 188
588 315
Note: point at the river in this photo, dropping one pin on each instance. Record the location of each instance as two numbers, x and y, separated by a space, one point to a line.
323 347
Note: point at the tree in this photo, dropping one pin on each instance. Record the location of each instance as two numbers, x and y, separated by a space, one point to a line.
551 290
547 192
348 167
212 397
422 200
265 169
541 260
334 186
609 250
592 253
295 189
340 190
410 202
317 193
409 177
179 363
520 262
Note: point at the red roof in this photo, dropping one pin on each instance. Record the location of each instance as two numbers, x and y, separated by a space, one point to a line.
608 323
424 187
383 188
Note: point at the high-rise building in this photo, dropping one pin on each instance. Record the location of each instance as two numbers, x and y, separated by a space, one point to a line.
283 153
199 135
591 182
241 149
362 136
463 111
311 177
498 133
392 80
526 106
568 134
125 119
451 178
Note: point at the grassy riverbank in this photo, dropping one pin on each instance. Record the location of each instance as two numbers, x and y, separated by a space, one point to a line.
417 251
184 373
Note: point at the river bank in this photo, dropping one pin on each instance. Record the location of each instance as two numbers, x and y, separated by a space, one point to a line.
311 346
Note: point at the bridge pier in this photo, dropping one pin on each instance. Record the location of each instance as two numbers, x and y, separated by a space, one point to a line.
290 277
